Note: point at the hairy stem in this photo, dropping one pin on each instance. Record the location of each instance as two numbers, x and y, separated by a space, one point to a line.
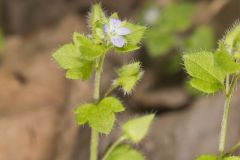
223 134
113 146
96 97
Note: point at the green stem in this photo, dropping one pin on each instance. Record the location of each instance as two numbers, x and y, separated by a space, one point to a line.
234 148
223 134
96 97
113 146
224 125
110 90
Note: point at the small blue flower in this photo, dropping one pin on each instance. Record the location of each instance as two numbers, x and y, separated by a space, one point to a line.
116 32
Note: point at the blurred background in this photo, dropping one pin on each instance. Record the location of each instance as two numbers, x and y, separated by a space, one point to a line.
36 101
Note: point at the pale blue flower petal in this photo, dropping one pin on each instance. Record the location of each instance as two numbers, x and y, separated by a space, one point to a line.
123 31
114 23
106 29
118 41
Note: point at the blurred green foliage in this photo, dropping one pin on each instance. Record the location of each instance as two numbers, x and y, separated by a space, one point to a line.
202 38
169 26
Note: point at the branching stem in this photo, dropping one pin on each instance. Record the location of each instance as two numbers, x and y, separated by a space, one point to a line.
229 89
113 146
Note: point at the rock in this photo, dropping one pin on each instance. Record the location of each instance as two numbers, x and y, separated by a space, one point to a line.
36 117
28 135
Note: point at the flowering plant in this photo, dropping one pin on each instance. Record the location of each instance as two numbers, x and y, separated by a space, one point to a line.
86 54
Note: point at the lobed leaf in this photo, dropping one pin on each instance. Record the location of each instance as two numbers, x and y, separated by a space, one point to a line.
125 152
82 113
112 103
101 119
136 129
68 56
101 116
83 72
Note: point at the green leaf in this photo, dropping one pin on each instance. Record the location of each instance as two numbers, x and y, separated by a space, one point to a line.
127 48
96 15
232 158
136 129
128 76
101 119
88 49
204 86
207 157
232 38
112 104
82 113
83 72
127 83
129 69
225 61
202 38
201 66
68 56
114 15
137 32
125 152
99 116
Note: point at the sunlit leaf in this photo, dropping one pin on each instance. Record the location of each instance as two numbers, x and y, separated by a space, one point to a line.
112 104
225 61
128 75
137 32
136 129
201 66
68 56
232 39
88 49
83 72
125 152
101 116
